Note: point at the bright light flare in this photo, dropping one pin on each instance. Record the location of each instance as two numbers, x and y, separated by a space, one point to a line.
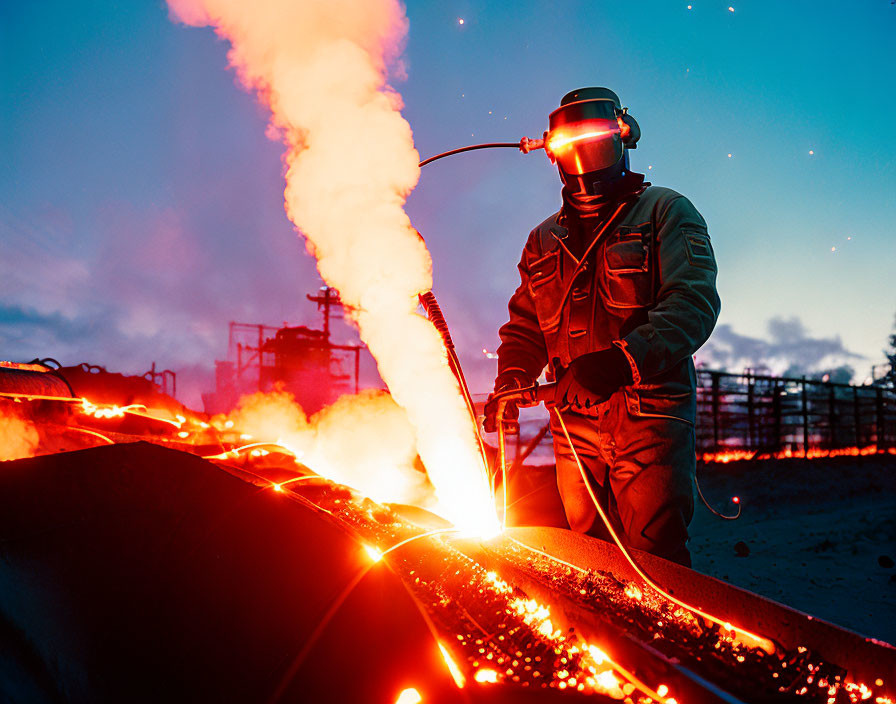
409 696
485 527
561 140
373 553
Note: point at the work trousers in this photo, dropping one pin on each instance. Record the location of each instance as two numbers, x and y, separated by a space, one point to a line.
641 469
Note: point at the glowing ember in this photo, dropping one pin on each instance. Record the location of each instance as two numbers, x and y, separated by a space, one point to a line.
632 591
725 456
486 675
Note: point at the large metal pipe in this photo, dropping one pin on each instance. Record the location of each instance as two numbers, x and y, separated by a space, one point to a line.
32 379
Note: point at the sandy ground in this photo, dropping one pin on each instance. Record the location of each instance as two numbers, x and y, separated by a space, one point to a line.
821 536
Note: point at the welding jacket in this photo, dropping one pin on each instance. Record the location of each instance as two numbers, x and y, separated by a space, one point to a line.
648 287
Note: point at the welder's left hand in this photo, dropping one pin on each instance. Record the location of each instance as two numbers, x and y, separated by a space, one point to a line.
568 393
603 372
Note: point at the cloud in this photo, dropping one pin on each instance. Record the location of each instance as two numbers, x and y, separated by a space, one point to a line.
125 286
788 346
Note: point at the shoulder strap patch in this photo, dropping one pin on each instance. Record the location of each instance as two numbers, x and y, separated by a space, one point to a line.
699 250
549 236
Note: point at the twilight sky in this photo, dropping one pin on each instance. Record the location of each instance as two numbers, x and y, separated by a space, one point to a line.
141 203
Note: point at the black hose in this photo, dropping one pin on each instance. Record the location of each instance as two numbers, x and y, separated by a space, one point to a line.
55 371
717 513
489 145
45 362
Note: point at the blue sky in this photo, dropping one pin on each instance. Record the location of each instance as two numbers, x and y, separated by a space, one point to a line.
141 207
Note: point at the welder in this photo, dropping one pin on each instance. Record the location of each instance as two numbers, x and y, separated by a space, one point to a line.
617 292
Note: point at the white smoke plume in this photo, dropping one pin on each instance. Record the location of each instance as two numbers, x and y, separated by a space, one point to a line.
363 441
322 68
18 436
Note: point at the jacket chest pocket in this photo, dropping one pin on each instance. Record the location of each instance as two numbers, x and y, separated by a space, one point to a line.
545 287
628 268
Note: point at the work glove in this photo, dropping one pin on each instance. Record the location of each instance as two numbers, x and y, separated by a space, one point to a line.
603 372
505 382
569 393
592 378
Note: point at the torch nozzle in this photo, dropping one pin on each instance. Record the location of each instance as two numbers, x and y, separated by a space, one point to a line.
527 145
527 396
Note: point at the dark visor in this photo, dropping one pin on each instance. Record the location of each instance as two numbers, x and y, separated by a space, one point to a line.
584 136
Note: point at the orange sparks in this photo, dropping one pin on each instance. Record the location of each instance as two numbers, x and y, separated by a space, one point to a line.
99 411
456 674
91 432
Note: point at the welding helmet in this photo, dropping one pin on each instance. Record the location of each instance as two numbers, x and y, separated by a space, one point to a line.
588 137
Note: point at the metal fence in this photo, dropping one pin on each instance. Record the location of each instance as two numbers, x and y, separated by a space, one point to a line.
774 414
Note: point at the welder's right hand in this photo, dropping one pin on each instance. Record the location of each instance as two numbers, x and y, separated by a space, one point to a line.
506 382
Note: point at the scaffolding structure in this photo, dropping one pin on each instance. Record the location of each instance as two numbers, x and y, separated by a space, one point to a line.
302 360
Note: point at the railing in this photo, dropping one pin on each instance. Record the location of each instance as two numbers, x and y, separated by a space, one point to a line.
769 414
